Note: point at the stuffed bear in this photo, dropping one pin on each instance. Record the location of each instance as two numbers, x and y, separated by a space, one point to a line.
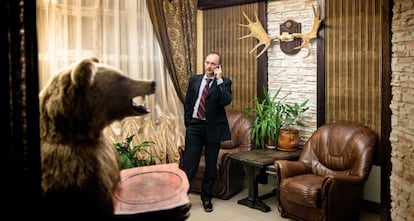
80 168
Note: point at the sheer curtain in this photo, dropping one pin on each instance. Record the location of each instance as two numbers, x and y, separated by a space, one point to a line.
119 33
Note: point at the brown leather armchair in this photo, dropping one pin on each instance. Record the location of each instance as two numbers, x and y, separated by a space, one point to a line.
230 174
327 181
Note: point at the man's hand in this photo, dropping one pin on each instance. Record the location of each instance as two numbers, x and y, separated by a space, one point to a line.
218 72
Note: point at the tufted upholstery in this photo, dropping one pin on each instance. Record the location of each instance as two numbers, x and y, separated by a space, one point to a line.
230 176
327 181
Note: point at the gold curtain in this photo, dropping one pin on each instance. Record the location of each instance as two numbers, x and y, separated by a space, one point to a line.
174 24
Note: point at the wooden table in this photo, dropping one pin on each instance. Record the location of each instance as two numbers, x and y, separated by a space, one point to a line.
255 163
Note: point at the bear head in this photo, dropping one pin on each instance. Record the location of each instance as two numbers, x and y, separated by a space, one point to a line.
84 98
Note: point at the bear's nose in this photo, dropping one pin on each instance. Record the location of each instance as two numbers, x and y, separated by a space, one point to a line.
153 85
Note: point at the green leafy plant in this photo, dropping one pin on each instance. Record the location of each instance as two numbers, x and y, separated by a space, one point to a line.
291 114
129 155
271 114
267 117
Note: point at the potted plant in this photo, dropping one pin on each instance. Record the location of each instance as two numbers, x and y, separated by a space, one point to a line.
134 156
288 137
276 120
267 118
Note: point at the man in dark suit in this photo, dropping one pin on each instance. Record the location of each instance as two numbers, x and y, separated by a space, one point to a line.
206 123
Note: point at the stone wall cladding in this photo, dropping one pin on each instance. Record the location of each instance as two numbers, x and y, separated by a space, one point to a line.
402 107
293 73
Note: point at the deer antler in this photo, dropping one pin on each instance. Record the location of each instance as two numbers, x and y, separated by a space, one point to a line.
257 31
312 34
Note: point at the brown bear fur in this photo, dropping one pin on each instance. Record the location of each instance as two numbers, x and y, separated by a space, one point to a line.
80 168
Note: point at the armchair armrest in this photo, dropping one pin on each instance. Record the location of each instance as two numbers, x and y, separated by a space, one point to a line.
225 163
180 152
342 179
347 189
337 182
286 168
181 149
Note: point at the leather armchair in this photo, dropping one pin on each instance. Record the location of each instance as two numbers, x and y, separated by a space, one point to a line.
230 174
327 181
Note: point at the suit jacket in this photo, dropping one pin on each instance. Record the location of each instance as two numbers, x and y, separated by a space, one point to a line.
218 97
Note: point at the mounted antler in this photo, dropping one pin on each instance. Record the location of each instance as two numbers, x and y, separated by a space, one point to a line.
313 33
257 31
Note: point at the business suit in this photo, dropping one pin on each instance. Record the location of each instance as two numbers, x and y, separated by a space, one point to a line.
206 133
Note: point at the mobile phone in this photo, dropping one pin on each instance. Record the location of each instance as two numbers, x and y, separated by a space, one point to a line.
216 70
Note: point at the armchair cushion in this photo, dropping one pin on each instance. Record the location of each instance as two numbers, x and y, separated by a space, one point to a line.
303 189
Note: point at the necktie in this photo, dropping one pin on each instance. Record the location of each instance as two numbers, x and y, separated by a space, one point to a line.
202 108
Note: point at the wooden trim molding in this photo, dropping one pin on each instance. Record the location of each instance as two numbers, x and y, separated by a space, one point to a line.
320 69
210 4
262 61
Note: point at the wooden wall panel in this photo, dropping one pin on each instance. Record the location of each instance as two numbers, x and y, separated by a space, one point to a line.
354 74
221 33
353 61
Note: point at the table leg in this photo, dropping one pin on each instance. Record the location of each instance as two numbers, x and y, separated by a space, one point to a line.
253 200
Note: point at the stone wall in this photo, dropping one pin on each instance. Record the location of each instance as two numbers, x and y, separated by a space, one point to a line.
293 73
402 107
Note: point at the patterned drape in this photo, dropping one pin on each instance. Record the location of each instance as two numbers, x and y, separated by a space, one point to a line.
174 23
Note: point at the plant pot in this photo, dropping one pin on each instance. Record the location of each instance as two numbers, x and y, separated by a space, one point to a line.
270 143
288 139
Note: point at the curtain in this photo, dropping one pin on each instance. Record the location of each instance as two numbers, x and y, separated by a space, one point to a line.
119 33
174 23
20 109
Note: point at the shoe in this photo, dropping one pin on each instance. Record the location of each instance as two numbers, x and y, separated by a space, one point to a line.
208 206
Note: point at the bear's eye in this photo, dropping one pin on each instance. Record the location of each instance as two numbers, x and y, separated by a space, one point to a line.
120 78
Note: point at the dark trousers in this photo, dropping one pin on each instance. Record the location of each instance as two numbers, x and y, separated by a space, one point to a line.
195 142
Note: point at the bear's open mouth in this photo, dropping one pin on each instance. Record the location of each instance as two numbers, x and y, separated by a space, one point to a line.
140 108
